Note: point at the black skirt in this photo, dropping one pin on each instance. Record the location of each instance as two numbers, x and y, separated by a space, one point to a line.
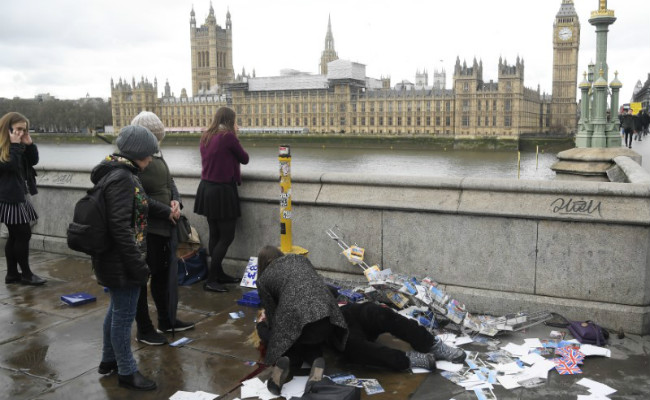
217 200
17 213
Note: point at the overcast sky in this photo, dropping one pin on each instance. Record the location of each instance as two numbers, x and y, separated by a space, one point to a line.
72 47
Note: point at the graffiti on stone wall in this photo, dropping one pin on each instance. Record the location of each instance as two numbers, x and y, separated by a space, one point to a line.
588 208
56 179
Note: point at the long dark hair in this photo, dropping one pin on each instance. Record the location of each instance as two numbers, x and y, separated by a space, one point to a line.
223 121
266 256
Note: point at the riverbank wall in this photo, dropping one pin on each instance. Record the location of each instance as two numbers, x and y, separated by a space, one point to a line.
497 143
581 249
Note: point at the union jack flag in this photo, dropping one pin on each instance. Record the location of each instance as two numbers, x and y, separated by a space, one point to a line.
570 354
564 367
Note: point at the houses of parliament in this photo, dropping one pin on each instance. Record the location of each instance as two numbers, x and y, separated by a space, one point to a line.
341 99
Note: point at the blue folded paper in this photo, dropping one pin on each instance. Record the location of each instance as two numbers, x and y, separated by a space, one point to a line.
77 299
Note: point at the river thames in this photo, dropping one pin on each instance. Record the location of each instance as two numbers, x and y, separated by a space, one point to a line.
438 163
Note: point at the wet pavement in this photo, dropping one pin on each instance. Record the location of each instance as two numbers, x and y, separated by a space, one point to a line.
49 350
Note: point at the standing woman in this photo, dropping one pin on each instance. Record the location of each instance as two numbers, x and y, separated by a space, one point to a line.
217 198
123 269
159 185
18 155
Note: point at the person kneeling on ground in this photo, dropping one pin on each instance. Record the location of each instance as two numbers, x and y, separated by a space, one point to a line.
301 314
366 321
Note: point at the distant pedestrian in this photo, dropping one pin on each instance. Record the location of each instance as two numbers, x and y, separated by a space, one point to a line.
123 269
217 197
628 127
645 118
159 185
18 155
638 125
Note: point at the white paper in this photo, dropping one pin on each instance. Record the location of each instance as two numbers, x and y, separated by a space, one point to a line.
509 368
592 397
256 388
508 381
596 388
448 366
447 338
418 370
515 349
591 350
532 343
531 358
541 368
463 340
295 387
198 395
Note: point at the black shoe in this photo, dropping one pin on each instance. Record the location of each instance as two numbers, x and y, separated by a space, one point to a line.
179 326
228 279
214 287
107 367
316 373
12 279
136 382
279 376
152 338
33 280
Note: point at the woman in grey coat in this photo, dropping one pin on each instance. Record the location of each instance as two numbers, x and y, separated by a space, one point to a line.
301 313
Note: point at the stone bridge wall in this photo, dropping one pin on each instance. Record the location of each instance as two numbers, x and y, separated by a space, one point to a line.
577 248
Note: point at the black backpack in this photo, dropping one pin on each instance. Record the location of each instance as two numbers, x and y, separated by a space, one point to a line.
88 232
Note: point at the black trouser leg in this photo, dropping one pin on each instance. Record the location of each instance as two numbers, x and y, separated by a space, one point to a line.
158 262
17 249
374 320
222 234
359 350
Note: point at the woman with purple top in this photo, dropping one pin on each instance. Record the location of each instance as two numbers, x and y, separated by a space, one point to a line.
217 198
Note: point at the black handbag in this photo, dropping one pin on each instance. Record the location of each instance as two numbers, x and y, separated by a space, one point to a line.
326 389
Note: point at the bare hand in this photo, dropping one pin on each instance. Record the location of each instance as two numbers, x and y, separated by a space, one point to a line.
175 205
26 138
15 136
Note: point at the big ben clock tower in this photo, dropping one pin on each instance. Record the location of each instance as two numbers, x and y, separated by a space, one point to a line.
566 43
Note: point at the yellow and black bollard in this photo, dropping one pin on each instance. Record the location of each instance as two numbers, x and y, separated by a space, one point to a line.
286 239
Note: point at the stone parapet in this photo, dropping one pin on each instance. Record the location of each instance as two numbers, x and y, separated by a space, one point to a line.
581 248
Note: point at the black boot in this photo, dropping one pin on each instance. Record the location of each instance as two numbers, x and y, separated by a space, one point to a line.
107 367
136 381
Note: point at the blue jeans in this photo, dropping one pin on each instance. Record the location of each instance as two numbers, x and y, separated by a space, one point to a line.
117 329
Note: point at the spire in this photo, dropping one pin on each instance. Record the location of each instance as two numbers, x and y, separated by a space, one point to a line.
192 19
228 21
329 38
329 54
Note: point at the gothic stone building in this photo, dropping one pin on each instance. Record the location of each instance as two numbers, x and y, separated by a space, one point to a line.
342 99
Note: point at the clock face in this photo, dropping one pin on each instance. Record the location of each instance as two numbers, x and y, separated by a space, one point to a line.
565 33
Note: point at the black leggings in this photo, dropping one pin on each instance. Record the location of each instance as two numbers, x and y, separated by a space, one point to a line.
17 249
222 234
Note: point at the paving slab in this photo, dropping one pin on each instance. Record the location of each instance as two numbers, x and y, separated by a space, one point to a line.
17 322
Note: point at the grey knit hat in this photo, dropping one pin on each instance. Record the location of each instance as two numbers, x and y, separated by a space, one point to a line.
136 142
150 121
